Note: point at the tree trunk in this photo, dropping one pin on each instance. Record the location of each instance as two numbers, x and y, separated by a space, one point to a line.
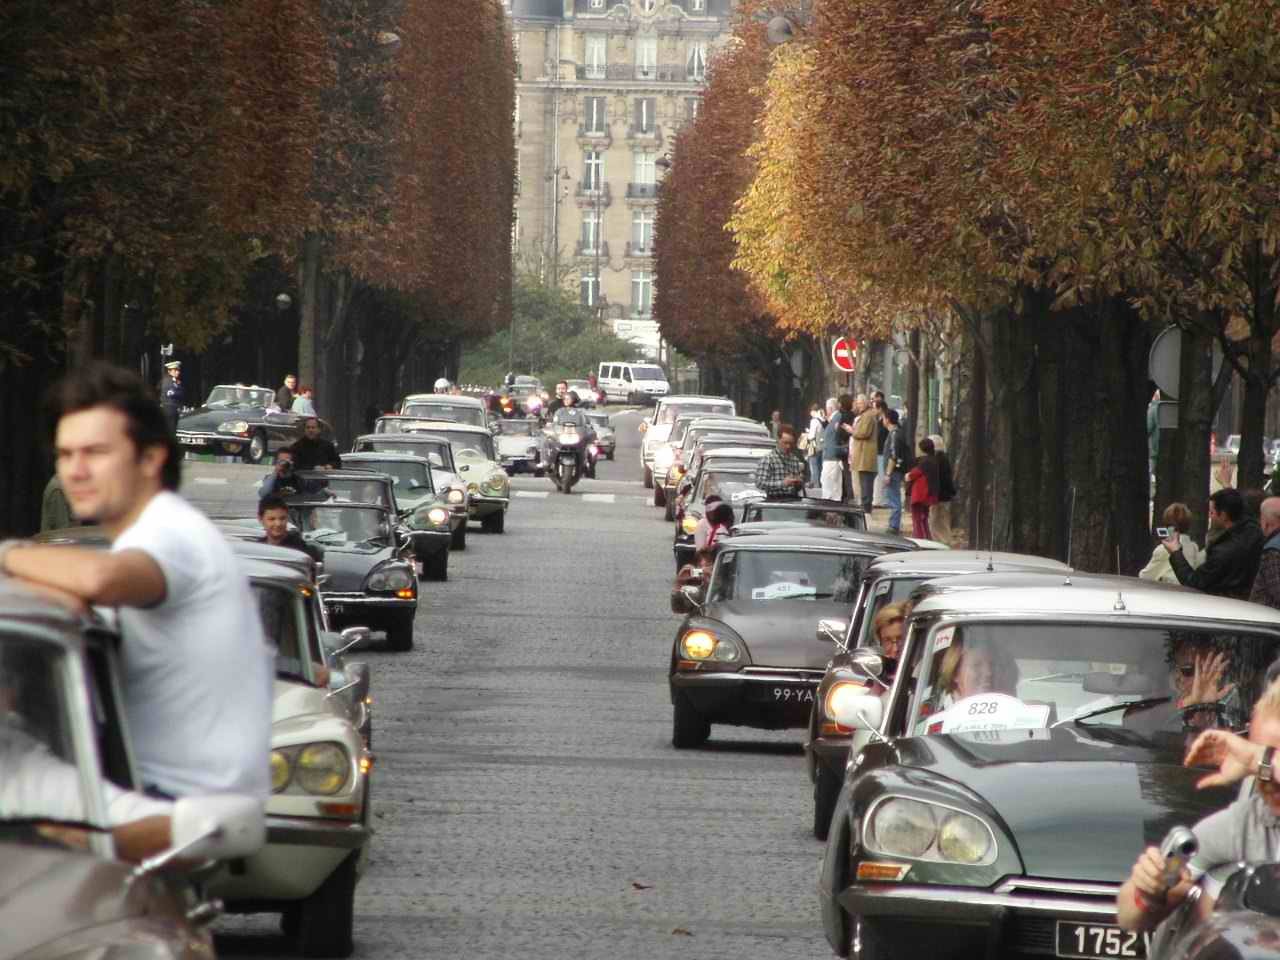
308 309
1257 384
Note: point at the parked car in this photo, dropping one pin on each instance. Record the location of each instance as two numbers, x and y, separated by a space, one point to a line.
369 582
686 462
518 443
242 421
1029 747
606 438
731 475
445 406
444 472
886 580
488 487
424 514
657 429
747 656
318 812
63 722
664 454
809 510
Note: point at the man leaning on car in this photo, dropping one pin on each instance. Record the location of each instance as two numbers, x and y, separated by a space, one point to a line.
1246 831
197 670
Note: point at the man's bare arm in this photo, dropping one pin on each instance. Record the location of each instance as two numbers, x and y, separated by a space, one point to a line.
128 578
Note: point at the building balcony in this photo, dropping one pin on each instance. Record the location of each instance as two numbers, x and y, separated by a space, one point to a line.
604 71
639 251
679 73
592 137
586 252
644 136
595 195
642 191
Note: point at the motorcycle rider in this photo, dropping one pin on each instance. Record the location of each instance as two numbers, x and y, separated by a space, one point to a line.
571 413
562 392
442 385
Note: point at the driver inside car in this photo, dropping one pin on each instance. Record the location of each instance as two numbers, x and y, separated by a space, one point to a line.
972 667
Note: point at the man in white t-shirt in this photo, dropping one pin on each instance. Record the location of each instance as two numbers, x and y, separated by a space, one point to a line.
197 669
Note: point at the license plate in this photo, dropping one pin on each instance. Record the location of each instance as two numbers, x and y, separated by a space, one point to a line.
567 458
789 694
337 608
1092 940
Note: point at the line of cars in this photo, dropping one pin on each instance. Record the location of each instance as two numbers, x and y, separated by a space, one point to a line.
991 739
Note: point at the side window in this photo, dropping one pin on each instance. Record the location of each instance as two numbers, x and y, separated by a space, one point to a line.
626 374
613 371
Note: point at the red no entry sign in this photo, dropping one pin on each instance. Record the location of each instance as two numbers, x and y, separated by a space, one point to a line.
844 352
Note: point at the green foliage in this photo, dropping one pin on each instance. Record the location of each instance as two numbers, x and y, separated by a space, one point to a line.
555 338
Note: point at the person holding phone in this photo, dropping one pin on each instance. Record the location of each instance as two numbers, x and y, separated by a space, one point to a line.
1176 517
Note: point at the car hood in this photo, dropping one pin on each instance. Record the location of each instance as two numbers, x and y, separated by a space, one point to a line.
1080 802
780 633
347 565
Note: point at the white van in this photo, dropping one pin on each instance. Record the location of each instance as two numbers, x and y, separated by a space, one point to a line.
632 382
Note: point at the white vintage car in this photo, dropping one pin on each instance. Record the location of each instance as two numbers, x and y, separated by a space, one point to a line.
474 454
318 813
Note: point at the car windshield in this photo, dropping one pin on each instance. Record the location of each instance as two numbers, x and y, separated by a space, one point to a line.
279 612
466 444
1004 676
648 373
411 479
332 525
226 397
768 576
352 490
457 412
515 428
38 763
734 487
435 453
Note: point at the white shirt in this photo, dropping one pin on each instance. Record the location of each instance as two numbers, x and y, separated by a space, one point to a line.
37 785
197 669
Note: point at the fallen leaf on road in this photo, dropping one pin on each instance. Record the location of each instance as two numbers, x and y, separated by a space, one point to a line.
641 886
682 932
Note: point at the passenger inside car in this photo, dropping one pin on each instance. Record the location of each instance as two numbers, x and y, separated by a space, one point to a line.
972 667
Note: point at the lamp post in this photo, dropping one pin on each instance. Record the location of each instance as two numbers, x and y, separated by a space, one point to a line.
554 177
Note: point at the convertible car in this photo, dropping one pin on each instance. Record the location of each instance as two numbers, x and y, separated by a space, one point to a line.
1028 747
242 421
747 655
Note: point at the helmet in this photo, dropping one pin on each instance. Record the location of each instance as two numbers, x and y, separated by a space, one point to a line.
442 385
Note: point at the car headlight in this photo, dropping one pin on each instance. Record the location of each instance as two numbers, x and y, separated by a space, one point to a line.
233 426
689 524
455 495
495 483
389 580
438 516
664 456
473 487
281 771
840 692
920 830
705 645
323 768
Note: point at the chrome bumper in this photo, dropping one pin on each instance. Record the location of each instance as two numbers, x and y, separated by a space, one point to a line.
316 832
338 602
1056 898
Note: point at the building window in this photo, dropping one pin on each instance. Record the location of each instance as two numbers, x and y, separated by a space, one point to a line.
590 231
646 107
641 292
691 107
646 170
642 230
696 64
647 5
596 57
697 6
589 289
592 170
515 228
597 4
646 58
593 113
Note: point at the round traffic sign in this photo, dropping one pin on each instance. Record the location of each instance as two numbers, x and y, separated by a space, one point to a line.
844 353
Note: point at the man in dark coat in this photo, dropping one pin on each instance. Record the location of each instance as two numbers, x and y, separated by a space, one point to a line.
284 396
171 392
1231 561
313 450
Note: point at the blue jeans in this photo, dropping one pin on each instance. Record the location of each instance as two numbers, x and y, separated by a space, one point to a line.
893 493
815 470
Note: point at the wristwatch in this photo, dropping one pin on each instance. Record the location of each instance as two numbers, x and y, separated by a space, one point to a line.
1266 772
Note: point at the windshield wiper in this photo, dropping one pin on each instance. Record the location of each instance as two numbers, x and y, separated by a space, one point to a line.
1136 704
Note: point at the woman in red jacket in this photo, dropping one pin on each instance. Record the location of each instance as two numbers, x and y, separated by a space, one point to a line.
923 479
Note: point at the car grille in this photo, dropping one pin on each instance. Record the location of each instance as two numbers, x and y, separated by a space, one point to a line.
793 674
1035 934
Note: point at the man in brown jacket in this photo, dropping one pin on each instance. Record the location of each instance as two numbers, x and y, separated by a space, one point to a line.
862 451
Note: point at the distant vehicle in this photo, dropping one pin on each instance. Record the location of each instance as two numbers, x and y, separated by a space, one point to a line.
519 443
657 429
444 472
632 382
606 439
444 406
587 396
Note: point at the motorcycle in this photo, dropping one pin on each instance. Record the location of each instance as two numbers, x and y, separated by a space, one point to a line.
568 456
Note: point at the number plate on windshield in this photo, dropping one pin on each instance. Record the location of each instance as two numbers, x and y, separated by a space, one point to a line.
1098 940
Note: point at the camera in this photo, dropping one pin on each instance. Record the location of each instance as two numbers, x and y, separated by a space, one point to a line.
1179 846
1163 532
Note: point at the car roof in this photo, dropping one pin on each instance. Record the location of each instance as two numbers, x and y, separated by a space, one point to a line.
799 540
942 562
345 474
240 386
729 453
18 601
442 398
685 397
302 500
811 503
765 528
730 424
370 456
452 425
737 436
1069 596
407 435
268 571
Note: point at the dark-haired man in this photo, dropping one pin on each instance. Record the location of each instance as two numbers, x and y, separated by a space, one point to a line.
780 473
197 670
1231 561
273 514
284 395
313 451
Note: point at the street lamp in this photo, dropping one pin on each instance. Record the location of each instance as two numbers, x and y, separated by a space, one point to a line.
554 178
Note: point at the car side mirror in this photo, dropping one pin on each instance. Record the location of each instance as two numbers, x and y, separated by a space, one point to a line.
862 711
833 630
352 636
692 592
214 827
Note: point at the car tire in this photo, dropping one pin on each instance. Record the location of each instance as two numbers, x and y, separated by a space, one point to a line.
669 509
648 479
257 448
826 789
458 539
437 567
495 522
327 917
400 634
688 728
659 494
